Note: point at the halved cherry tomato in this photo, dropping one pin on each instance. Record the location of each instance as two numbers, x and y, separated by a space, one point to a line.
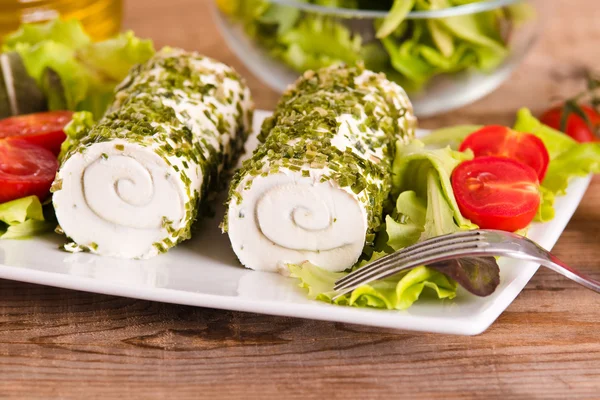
497 192
25 170
504 142
45 129
576 126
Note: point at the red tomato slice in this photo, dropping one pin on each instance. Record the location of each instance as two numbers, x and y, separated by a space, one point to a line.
44 129
576 127
504 142
497 192
25 170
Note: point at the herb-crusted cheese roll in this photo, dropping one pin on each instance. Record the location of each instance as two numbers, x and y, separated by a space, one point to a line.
132 185
314 190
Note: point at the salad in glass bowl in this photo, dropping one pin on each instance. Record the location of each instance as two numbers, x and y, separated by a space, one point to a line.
445 53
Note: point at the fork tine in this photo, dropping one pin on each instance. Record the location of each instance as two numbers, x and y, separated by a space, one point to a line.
384 274
396 268
420 258
410 250
436 241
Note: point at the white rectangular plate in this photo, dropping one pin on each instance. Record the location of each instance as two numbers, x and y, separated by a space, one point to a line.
205 272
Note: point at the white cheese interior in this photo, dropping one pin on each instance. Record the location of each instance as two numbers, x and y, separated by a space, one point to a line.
115 201
287 218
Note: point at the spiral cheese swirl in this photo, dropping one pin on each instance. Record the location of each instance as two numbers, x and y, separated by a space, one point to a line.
305 216
287 218
121 200
130 196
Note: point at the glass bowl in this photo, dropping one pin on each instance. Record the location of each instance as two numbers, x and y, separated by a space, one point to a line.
444 58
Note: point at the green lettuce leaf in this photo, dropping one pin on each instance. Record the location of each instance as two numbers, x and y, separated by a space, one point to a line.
409 51
546 211
411 169
73 71
112 59
556 142
396 293
420 50
405 59
441 214
66 32
57 57
443 39
398 12
452 136
23 218
580 160
568 158
283 17
411 213
108 63
475 29
317 42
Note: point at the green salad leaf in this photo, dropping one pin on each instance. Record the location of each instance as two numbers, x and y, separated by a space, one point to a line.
410 51
309 44
411 213
568 158
546 211
67 32
57 57
74 72
113 58
427 172
398 12
452 136
23 218
580 160
396 293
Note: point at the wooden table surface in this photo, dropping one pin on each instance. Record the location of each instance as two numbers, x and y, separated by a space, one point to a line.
65 344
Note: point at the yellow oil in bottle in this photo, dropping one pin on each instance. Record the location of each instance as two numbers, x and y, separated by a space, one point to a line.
101 18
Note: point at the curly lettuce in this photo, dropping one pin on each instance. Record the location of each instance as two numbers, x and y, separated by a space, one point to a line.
568 159
23 218
74 72
410 51
396 293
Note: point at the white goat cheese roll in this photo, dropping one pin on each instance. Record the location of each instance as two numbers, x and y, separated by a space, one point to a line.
315 189
132 185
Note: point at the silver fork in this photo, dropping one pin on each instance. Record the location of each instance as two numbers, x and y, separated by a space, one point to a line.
474 243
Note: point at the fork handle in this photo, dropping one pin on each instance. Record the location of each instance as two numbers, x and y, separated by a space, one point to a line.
560 267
